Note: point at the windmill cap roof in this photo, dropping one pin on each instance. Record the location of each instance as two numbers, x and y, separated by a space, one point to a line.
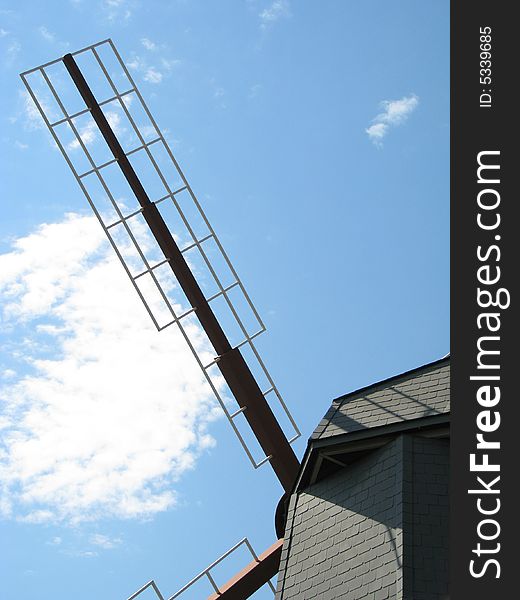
422 392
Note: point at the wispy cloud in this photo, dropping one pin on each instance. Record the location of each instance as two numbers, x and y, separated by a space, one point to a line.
104 541
55 541
11 52
89 133
10 48
148 44
46 34
136 63
30 115
218 92
254 91
278 9
50 37
82 553
105 414
152 75
170 63
152 72
395 112
117 9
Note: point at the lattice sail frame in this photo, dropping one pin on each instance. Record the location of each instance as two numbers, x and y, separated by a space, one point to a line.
206 573
162 303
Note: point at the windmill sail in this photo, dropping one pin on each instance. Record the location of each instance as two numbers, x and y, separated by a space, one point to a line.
77 108
253 576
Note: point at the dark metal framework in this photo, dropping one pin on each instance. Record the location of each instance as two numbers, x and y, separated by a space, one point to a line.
230 361
241 377
245 583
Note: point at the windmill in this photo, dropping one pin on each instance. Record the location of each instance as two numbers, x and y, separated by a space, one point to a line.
84 92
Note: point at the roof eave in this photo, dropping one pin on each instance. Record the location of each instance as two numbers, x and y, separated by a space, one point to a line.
364 439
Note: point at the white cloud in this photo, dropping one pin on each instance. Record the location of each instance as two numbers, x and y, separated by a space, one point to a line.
105 414
88 135
90 132
395 112
83 553
31 116
148 131
170 63
114 120
152 75
20 145
56 541
377 132
151 72
153 67
3 32
219 93
277 10
11 53
117 9
254 91
104 541
136 64
46 34
148 44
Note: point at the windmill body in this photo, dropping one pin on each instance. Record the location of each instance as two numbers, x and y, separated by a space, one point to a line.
369 514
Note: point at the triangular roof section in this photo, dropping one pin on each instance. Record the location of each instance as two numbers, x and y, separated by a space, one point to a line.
422 392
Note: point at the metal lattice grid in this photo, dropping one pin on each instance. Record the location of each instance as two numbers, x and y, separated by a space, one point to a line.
73 129
206 573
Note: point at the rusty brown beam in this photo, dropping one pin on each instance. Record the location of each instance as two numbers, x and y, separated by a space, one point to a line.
253 577
232 365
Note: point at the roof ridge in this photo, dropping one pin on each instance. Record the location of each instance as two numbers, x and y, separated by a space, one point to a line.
434 363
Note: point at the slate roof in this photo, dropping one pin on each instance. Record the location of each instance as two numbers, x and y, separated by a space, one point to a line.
423 392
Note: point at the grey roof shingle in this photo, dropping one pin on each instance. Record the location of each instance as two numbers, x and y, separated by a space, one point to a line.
419 393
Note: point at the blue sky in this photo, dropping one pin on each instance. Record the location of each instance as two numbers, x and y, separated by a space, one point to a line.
316 136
